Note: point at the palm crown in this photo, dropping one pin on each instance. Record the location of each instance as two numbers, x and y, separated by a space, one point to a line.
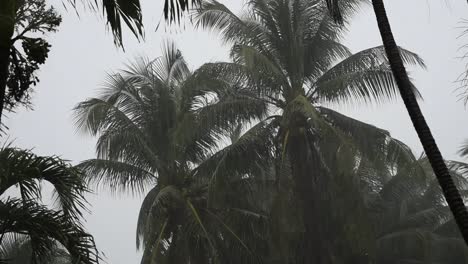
289 55
158 128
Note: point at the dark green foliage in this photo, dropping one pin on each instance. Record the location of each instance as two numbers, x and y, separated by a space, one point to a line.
45 228
288 54
412 219
16 249
304 183
129 13
158 126
28 52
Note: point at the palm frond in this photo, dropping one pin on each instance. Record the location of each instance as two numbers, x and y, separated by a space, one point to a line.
365 76
17 249
45 228
249 154
213 15
341 10
117 176
124 12
464 149
117 13
373 142
171 66
143 217
24 169
257 61
174 9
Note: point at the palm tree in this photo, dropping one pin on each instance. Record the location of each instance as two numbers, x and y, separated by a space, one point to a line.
288 54
451 194
450 191
413 222
157 128
26 216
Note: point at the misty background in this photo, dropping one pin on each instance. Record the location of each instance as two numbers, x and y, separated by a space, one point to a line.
83 53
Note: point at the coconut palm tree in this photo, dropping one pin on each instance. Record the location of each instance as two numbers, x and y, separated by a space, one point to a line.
43 227
396 60
413 222
288 53
157 126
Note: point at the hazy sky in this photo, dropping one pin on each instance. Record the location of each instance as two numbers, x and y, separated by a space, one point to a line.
83 52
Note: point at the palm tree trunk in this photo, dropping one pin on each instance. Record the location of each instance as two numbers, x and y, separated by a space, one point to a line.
449 189
7 26
311 189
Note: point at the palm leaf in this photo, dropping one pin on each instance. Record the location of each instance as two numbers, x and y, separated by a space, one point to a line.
464 149
116 175
365 76
24 169
45 228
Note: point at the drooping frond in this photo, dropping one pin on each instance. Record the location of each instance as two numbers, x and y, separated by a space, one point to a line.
45 228
364 77
174 9
334 9
24 169
145 210
226 75
464 149
259 63
231 107
249 154
213 15
153 218
118 13
373 142
17 249
117 176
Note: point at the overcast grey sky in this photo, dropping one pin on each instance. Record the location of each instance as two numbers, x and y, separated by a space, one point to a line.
83 52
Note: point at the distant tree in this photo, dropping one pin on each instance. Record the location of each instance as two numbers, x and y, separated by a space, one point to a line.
23 48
